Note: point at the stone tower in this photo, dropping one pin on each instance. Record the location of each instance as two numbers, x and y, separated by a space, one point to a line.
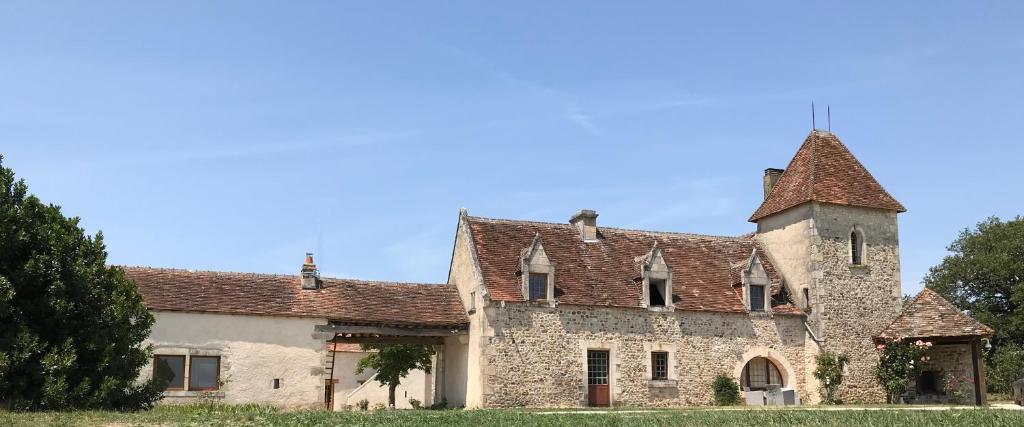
831 231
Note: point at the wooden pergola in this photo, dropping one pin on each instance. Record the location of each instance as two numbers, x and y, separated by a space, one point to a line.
930 317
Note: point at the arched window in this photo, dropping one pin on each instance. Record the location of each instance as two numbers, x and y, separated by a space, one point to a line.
759 373
856 248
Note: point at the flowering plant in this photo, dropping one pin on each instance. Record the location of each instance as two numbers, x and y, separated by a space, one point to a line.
899 361
829 373
953 385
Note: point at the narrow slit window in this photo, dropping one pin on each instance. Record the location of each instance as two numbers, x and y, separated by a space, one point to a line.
659 365
538 286
756 297
656 293
807 298
856 248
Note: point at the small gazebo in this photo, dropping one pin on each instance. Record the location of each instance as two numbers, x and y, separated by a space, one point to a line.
956 339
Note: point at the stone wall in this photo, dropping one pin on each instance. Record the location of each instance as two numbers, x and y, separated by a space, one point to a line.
536 356
857 301
947 358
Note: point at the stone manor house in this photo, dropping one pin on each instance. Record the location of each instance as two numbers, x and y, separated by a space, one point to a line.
579 314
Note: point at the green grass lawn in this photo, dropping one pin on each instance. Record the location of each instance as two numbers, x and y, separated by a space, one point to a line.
218 415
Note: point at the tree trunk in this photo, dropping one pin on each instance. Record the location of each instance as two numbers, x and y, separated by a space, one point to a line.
391 395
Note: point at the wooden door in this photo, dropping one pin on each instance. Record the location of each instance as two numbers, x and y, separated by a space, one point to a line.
597 378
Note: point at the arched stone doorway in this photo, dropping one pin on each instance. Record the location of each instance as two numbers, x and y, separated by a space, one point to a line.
759 373
761 366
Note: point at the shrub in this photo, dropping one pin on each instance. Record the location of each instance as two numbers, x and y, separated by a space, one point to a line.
899 362
379 406
416 404
1007 366
363 404
830 375
954 384
727 391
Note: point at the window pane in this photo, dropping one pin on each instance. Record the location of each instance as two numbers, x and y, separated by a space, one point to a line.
170 369
656 292
756 298
757 369
597 367
538 286
659 365
203 373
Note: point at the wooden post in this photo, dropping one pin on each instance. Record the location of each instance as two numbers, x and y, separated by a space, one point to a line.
979 398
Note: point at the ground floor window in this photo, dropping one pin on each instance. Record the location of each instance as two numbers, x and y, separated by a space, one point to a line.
659 365
170 369
204 373
759 373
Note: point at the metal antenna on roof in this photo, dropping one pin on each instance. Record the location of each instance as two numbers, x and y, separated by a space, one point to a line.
828 110
813 126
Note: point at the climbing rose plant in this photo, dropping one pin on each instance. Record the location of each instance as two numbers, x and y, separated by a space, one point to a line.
899 361
830 375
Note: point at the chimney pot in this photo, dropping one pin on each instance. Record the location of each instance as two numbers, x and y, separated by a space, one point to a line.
771 177
310 275
585 222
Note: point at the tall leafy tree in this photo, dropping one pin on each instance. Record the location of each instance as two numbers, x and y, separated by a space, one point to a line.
985 276
72 327
393 362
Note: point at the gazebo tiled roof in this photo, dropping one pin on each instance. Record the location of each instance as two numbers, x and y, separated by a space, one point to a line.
929 315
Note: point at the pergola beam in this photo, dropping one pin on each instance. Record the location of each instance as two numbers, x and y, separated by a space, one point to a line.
327 332
390 340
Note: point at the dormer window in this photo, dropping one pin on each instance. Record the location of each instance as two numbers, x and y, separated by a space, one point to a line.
538 286
537 272
856 247
656 291
756 285
756 297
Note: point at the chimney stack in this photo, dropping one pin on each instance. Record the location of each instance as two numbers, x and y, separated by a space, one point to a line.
771 177
585 222
310 275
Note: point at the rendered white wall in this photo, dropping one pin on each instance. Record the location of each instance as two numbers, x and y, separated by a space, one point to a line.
254 350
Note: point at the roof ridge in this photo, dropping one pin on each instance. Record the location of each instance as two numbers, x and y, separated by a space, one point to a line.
272 275
742 237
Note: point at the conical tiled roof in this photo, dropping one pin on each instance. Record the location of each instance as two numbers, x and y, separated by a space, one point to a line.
824 170
931 315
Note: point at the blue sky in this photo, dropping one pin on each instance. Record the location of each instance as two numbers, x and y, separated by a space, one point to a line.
239 135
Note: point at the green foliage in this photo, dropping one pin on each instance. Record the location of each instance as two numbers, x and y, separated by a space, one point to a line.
72 326
393 362
829 373
363 404
727 391
416 404
254 415
984 275
899 361
1006 367
379 406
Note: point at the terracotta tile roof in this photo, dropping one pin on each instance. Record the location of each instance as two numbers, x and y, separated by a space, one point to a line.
604 273
824 170
931 315
342 300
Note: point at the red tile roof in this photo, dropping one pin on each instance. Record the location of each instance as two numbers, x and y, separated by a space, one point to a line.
604 273
342 300
824 170
929 315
